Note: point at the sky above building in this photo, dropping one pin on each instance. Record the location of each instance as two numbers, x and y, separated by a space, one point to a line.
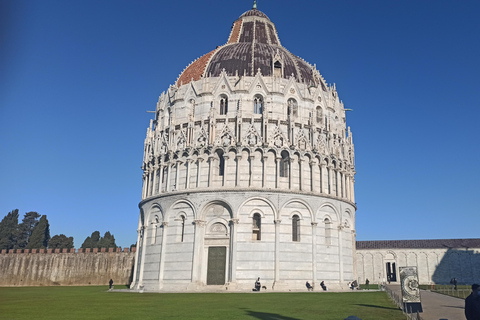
77 77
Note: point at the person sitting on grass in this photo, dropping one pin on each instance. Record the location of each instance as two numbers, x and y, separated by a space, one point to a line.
324 287
257 285
309 286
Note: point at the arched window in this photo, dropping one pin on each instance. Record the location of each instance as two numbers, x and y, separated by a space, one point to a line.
319 114
257 227
221 163
284 164
292 107
223 105
258 104
328 232
295 228
182 228
277 69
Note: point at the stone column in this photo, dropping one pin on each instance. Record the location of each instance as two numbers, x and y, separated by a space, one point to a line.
162 255
314 252
277 251
169 172
340 253
264 171
198 246
177 175
312 176
238 158
155 170
354 255
142 259
137 261
277 164
300 174
210 170
199 161
352 189
144 189
187 178
347 185
160 178
250 160
290 164
225 169
337 178
330 180
233 250
321 168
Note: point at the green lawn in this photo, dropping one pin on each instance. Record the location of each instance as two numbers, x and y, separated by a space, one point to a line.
96 303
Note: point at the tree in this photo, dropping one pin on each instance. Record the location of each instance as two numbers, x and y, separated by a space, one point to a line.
25 229
8 230
95 241
40 235
107 241
60 242
92 241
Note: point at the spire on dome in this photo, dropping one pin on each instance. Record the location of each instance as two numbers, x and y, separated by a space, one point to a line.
254 4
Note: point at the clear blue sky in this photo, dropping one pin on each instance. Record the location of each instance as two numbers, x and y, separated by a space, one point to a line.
77 77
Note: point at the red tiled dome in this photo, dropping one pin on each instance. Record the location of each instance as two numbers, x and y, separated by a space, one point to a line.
252 45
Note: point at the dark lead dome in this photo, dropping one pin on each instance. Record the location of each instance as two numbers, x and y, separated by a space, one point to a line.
253 45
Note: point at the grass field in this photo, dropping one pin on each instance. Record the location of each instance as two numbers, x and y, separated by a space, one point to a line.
96 303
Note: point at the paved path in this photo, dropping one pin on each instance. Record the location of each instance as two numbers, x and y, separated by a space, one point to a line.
438 306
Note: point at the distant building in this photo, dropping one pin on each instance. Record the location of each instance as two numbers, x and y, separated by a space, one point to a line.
248 172
437 261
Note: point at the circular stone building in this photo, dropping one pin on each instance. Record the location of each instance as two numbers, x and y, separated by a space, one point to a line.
248 172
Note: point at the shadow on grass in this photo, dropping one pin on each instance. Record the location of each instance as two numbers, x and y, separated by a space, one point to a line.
267 316
374 306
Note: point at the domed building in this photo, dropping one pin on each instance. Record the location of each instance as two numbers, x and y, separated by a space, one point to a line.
248 172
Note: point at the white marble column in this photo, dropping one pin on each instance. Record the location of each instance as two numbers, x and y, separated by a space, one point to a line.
251 158
311 165
198 251
330 180
169 172
300 174
264 170
138 262
321 167
277 251
352 189
155 180
210 170
162 255
233 250
290 171
177 175
187 177
340 253
144 189
142 260
160 178
238 158
199 166
277 165
314 253
225 169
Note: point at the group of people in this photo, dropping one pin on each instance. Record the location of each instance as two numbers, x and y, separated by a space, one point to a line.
310 288
258 285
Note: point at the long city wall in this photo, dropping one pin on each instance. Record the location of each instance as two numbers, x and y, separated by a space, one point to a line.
66 267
